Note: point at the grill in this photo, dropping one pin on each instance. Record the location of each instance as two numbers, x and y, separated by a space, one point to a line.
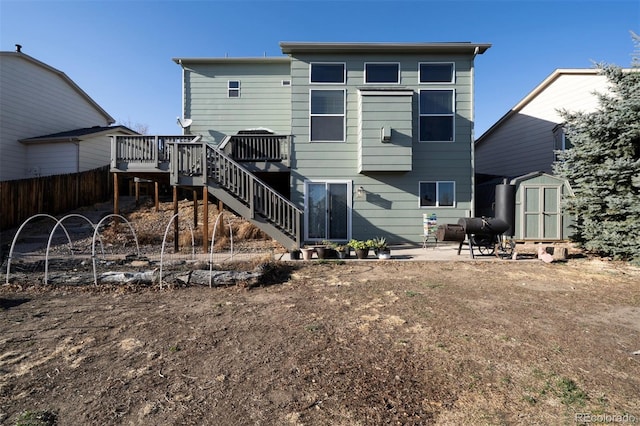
484 234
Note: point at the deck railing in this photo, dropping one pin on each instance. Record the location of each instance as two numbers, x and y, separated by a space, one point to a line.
258 196
270 148
144 152
224 172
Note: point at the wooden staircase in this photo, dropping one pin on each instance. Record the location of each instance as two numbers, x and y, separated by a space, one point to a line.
201 164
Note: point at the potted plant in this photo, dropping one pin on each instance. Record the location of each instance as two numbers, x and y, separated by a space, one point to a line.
295 252
307 252
321 249
360 247
342 251
381 249
335 250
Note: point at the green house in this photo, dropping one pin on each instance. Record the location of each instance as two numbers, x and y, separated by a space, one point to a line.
333 141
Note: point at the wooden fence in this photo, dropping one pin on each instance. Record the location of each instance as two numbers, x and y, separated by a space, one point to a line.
21 199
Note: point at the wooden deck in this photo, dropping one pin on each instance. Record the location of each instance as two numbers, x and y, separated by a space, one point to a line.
222 170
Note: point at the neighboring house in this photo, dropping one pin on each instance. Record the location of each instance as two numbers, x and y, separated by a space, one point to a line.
38 100
74 151
525 138
521 148
360 139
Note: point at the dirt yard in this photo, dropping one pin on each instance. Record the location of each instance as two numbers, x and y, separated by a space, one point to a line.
325 343
330 343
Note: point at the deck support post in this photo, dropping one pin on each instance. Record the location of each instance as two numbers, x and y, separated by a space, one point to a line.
116 194
205 219
195 209
176 246
157 196
137 187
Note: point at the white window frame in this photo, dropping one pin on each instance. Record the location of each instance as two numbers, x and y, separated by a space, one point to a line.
233 89
452 114
437 204
343 115
344 72
381 63
453 72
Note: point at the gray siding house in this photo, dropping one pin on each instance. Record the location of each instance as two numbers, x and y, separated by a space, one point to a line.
48 125
359 139
525 138
521 148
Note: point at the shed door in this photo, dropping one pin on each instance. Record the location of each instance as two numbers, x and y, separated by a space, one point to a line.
541 212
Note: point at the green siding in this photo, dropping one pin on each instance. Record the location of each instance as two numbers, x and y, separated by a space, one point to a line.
393 111
389 172
391 207
263 101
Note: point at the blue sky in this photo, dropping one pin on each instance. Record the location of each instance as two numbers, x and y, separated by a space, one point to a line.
120 51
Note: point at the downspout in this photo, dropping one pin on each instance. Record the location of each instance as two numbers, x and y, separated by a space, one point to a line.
183 94
473 132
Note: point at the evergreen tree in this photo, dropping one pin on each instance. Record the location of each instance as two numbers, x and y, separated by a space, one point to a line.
603 166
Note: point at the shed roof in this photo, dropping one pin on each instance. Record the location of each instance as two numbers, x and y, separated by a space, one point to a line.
78 135
532 175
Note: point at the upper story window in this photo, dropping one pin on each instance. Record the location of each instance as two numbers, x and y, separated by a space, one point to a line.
437 72
328 73
438 194
560 142
437 112
381 73
327 115
233 88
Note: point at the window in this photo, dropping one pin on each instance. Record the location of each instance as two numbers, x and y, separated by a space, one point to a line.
436 72
382 73
233 88
327 73
436 115
327 115
437 194
560 142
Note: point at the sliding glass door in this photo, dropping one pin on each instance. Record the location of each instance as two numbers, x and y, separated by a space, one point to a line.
327 210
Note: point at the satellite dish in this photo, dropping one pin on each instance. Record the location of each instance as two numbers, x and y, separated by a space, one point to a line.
184 122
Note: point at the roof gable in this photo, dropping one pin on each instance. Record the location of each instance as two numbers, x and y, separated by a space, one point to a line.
63 76
544 85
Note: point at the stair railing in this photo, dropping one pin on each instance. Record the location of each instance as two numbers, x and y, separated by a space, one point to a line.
259 197
200 164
